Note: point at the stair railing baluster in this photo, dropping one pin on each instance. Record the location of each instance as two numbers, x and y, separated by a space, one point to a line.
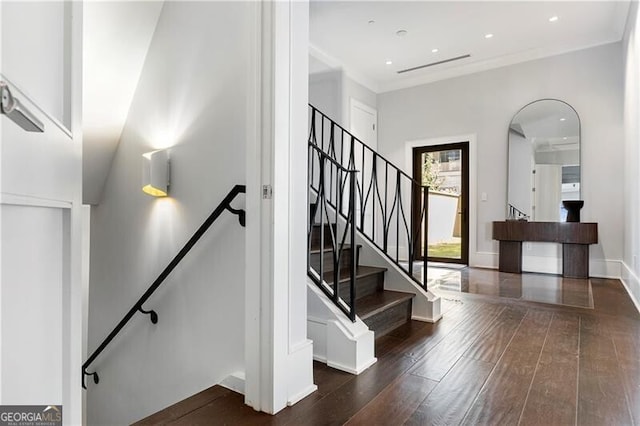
389 197
361 191
324 194
425 236
352 278
337 246
412 236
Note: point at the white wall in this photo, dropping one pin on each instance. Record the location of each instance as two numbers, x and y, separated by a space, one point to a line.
331 91
193 98
631 185
483 105
40 205
351 89
116 39
325 93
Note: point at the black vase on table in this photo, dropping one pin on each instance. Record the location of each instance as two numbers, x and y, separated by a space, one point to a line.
573 209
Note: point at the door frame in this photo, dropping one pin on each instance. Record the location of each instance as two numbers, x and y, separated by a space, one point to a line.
417 152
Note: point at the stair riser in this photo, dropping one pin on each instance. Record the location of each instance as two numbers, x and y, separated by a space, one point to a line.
345 260
328 239
389 319
364 287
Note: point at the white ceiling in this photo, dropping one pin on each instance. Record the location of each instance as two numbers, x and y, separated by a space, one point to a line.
342 37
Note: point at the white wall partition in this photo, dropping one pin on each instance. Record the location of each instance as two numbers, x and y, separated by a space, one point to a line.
279 356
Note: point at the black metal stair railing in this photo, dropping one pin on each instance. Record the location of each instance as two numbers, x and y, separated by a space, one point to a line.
515 214
328 188
384 196
153 316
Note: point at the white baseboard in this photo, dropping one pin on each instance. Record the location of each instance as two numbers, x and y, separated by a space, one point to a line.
351 370
631 283
320 358
301 395
425 319
483 259
598 268
300 367
605 268
234 382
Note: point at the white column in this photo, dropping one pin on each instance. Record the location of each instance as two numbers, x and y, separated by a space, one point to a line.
279 356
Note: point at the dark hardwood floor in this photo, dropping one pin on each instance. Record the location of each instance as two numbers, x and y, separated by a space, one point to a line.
490 360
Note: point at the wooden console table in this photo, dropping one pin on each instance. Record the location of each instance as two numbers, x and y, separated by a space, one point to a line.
575 238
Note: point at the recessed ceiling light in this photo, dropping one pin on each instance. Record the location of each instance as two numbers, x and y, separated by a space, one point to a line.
371 21
563 119
401 33
434 50
488 35
564 138
553 19
389 62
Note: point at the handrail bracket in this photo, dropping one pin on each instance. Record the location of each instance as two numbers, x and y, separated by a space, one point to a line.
242 215
151 312
96 378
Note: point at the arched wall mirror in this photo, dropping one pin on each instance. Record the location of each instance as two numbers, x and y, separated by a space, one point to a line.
544 161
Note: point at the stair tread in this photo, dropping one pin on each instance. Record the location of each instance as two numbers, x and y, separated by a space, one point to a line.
316 250
361 271
379 301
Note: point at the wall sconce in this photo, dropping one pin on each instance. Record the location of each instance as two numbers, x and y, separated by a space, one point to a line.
155 173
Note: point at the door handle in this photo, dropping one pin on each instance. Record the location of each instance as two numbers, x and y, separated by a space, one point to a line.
18 113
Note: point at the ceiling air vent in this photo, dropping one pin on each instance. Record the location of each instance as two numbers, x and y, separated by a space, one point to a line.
457 58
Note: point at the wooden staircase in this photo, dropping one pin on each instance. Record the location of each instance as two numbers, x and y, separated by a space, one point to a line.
382 310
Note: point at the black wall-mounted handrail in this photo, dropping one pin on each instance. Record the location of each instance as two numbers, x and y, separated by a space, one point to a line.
137 307
381 192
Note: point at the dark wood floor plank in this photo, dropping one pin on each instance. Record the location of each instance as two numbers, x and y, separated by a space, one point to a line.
452 397
416 339
610 297
491 344
601 395
339 406
552 396
627 346
185 406
396 403
439 361
521 368
226 410
328 381
502 397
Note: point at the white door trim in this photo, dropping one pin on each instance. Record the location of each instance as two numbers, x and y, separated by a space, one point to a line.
354 103
27 200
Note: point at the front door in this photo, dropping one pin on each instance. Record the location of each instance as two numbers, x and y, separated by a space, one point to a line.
445 169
